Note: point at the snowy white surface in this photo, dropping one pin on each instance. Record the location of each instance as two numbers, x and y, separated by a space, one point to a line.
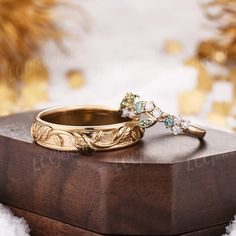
11 225
231 229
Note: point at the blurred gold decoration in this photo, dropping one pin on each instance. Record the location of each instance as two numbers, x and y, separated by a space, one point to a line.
219 77
220 51
211 50
35 84
75 78
33 89
191 102
217 119
232 78
25 26
34 70
195 63
173 47
204 79
7 98
222 108
232 119
31 94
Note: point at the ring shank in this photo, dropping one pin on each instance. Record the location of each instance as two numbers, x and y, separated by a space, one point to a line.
195 131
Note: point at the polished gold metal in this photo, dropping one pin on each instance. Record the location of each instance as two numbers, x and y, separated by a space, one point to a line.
147 114
195 131
84 127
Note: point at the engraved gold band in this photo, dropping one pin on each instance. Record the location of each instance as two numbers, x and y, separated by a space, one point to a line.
147 114
78 128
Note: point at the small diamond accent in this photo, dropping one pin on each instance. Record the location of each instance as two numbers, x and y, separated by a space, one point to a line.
185 124
131 114
157 113
176 130
125 112
149 106
178 120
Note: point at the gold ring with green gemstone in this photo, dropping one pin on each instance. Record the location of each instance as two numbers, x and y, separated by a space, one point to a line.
147 114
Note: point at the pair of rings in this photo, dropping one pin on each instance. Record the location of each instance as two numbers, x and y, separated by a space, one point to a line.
101 128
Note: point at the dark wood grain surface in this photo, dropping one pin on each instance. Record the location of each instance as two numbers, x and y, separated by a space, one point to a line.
165 185
43 226
217 230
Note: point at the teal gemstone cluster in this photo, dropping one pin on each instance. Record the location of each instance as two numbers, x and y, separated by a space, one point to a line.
169 122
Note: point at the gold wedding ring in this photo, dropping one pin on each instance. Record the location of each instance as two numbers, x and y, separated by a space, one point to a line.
147 114
82 127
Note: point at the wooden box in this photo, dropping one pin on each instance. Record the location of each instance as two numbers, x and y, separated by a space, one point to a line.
165 185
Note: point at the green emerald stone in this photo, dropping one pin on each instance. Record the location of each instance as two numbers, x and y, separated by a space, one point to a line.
169 122
140 107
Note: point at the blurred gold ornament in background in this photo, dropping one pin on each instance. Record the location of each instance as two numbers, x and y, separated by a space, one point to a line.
34 70
32 93
204 79
75 78
7 98
222 108
26 26
31 88
218 120
34 84
213 51
173 47
191 102
219 51
222 48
